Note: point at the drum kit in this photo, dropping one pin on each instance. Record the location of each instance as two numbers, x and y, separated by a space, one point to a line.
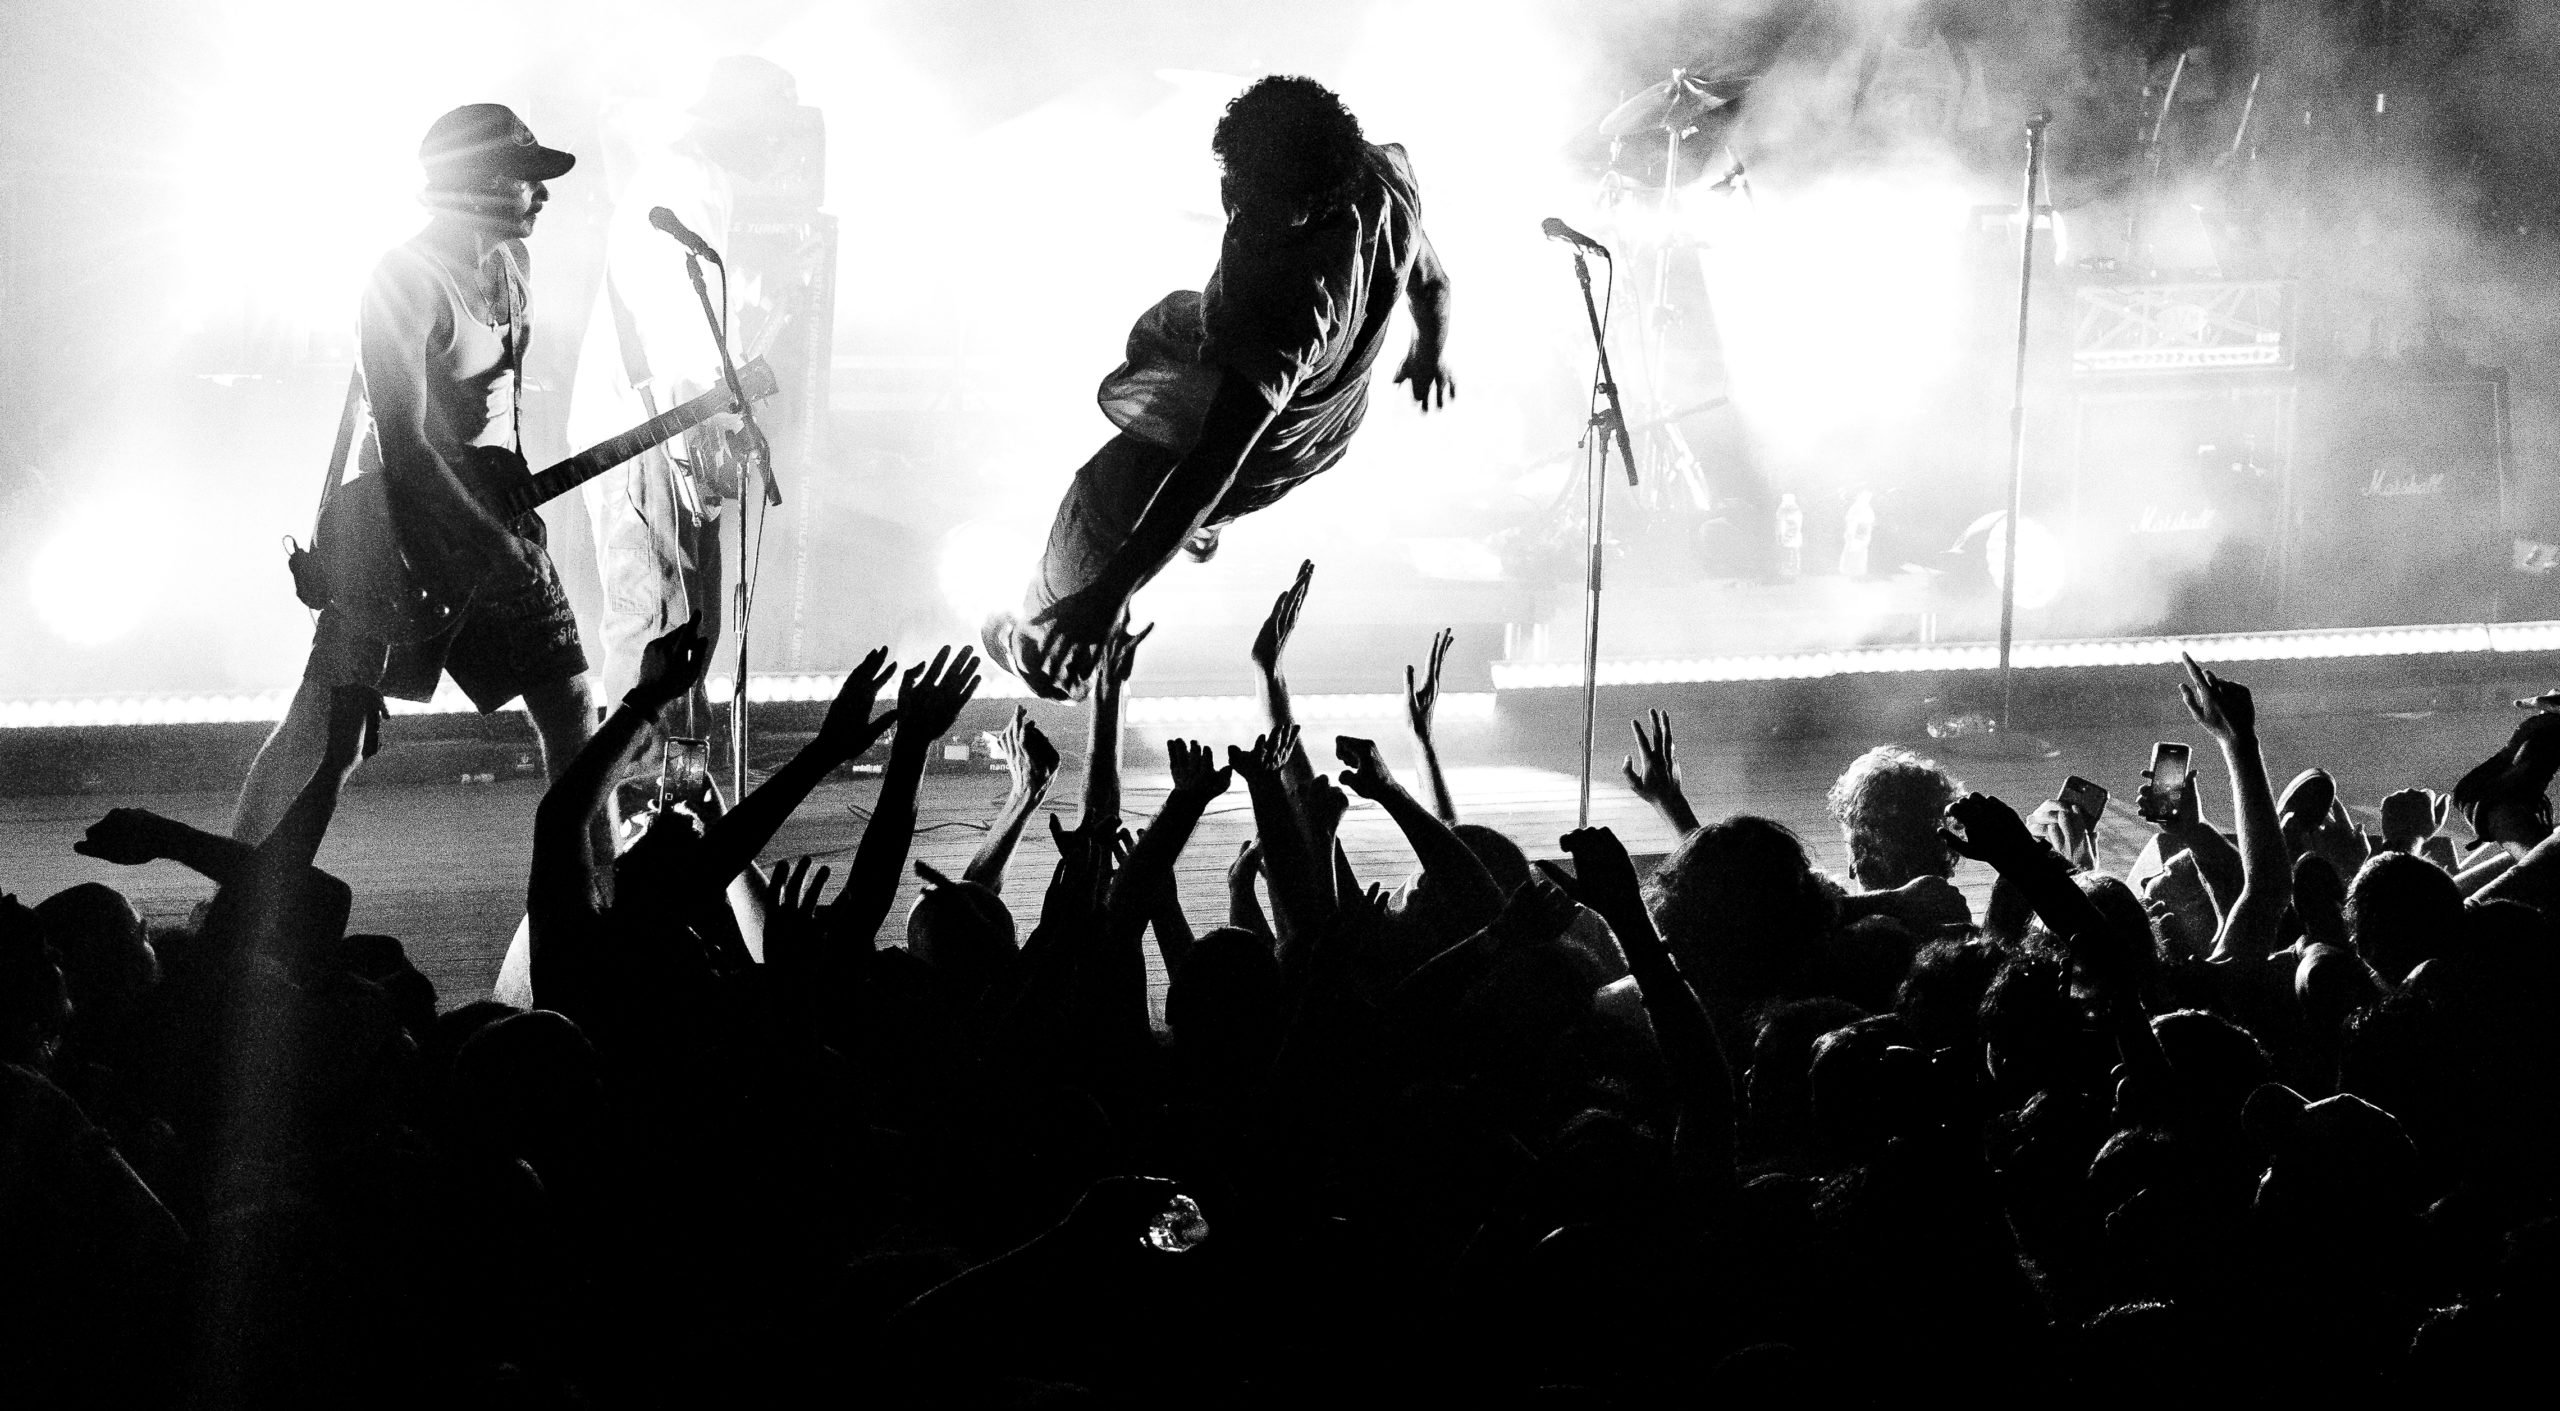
1661 141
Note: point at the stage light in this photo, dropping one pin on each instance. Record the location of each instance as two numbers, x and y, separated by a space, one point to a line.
97 578
2040 560
983 565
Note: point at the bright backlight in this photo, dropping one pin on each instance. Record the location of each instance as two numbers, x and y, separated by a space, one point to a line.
101 573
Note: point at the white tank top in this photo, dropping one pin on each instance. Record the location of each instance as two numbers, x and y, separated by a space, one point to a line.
472 377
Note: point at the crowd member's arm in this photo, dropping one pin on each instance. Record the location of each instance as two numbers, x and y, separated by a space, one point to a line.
1083 621
1924 904
2474 879
1146 878
1071 912
1244 909
1427 293
1033 762
737 836
355 734
1421 699
1102 752
930 697
560 898
1605 879
2225 710
130 837
1301 882
1653 771
1173 929
1271 641
2533 879
1458 876
1987 830
1271 682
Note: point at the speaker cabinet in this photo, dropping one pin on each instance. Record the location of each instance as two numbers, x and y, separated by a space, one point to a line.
2396 508
2174 504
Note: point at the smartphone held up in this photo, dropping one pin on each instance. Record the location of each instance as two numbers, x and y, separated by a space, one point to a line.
2166 795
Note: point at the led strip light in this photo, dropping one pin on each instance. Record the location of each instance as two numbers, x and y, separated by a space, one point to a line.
2444 640
2480 638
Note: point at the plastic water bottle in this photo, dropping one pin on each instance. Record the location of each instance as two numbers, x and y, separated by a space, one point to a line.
1790 537
1856 534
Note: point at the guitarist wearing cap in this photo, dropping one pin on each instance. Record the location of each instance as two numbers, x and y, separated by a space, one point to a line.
441 340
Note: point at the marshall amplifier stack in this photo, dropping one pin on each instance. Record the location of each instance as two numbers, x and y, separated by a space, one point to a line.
2217 483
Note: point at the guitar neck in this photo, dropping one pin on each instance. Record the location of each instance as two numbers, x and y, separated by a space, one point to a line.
554 481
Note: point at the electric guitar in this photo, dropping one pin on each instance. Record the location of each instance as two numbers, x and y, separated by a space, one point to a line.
357 564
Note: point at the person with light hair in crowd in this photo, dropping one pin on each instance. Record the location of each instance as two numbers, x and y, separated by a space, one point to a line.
1888 803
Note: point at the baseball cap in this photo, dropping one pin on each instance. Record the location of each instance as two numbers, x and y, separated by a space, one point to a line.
745 91
488 139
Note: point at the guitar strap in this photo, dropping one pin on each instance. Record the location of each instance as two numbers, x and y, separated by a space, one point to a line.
349 417
518 295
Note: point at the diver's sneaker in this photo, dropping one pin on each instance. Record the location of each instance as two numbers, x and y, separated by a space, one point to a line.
1012 646
1202 546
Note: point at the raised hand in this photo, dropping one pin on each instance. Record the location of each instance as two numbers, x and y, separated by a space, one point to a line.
1197 776
1267 756
2410 817
1274 636
1986 830
2066 832
669 667
2223 707
1248 861
1325 805
1028 755
1364 772
1653 771
1422 697
1120 654
1084 870
849 728
931 695
1605 876
126 837
791 926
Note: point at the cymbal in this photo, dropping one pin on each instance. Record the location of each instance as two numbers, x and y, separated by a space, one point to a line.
1675 102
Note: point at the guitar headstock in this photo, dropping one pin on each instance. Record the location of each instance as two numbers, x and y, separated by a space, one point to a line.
756 379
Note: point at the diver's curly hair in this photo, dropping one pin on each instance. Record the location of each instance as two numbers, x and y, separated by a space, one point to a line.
1290 139
1888 802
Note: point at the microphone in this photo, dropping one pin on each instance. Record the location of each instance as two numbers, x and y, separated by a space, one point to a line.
1558 230
665 220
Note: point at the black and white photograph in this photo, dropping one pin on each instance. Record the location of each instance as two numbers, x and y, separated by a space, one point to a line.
1028 704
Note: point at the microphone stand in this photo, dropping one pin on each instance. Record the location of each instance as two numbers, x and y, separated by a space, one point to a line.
760 462
2003 740
1608 424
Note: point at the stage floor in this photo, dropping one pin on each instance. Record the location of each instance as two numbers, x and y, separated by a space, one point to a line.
442 866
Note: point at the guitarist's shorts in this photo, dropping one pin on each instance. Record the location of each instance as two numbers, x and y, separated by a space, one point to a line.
508 639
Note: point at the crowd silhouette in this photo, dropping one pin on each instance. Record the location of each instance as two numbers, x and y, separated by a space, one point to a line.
2272 1119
